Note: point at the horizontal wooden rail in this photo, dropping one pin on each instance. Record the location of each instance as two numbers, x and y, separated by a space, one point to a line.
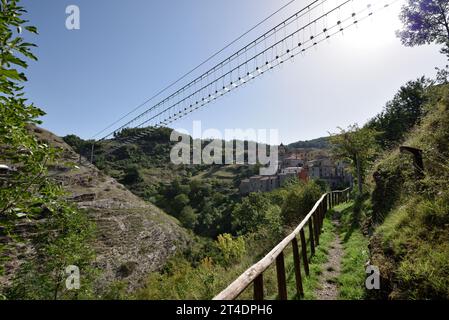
314 219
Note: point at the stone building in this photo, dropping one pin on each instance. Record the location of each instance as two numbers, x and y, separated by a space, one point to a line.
334 173
301 164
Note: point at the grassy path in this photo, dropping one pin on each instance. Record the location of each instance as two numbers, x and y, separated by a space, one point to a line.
339 267
356 254
328 287
337 270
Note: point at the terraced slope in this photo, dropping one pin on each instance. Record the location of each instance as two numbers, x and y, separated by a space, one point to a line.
133 237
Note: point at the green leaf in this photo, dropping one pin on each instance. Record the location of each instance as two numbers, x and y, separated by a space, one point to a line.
32 29
12 74
14 60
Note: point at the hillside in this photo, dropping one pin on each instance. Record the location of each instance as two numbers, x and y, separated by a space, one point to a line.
319 143
410 210
145 163
200 196
133 237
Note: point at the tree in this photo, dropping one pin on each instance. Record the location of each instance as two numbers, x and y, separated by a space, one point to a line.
250 213
425 22
231 249
300 200
356 145
132 175
188 217
17 146
402 113
179 202
28 192
79 145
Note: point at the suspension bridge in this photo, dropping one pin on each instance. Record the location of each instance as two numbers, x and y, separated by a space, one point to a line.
312 25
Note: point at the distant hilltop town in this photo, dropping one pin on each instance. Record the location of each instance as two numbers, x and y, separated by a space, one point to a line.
301 164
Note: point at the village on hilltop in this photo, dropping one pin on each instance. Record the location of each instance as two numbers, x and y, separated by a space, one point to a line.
302 164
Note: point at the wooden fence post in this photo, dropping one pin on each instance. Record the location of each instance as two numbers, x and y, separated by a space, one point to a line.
312 242
318 218
304 251
258 287
316 228
296 261
321 208
325 205
282 283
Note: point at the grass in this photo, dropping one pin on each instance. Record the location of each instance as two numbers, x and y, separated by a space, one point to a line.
226 173
351 280
311 282
417 232
412 242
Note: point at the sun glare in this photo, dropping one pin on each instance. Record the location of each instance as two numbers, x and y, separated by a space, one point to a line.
375 31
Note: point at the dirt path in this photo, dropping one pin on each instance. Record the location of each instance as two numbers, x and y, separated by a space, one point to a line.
328 288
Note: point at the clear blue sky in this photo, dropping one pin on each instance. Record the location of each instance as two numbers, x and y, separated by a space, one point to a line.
127 50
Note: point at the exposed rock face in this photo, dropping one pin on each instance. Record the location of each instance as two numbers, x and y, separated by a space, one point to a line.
133 237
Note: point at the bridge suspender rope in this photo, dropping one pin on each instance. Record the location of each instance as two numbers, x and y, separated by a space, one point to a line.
254 274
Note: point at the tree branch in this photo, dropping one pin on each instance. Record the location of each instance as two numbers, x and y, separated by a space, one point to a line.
445 22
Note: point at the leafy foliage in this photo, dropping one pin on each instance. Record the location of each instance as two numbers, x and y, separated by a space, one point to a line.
413 237
400 114
231 249
425 22
319 143
60 242
251 213
27 191
300 200
358 147
17 146
204 206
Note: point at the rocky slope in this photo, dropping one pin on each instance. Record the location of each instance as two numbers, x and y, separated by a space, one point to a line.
133 237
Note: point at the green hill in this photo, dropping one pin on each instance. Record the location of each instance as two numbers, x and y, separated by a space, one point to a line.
202 197
319 143
410 211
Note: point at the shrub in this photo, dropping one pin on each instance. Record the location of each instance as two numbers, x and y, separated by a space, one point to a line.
132 175
188 217
231 249
300 200
250 213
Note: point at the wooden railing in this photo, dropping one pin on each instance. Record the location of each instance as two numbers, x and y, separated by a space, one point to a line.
254 274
